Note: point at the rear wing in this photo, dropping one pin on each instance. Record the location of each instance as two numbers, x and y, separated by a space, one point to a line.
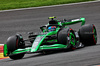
74 21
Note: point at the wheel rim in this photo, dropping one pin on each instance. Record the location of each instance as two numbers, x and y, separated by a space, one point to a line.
72 38
94 34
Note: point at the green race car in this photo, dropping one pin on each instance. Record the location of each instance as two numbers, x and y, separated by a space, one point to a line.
54 35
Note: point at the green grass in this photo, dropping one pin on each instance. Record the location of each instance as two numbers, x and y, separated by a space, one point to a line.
14 4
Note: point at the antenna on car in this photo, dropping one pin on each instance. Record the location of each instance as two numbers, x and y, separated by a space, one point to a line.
52 17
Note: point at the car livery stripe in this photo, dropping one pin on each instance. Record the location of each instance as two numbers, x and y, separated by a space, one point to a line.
36 43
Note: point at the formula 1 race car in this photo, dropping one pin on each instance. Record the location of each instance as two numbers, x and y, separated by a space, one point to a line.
54 35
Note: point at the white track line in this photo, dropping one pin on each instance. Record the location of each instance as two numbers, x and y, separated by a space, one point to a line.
1 44
49 6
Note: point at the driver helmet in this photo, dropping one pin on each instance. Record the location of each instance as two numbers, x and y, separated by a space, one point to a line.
52 28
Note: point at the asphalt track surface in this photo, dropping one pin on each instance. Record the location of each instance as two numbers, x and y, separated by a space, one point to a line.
30 20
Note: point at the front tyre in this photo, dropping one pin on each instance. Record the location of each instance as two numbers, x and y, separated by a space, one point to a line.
88 34
13 43
17 56
67 37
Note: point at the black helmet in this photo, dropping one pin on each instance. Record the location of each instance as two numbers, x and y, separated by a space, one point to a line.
53 22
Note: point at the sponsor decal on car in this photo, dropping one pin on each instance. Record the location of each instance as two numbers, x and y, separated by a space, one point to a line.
75 20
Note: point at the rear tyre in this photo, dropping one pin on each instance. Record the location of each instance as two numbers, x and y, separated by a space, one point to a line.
67 37
88 34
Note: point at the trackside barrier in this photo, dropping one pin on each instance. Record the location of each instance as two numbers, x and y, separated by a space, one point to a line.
1 52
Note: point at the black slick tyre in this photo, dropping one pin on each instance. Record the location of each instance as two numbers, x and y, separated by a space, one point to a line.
88 34
13 43
67 37
17 56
